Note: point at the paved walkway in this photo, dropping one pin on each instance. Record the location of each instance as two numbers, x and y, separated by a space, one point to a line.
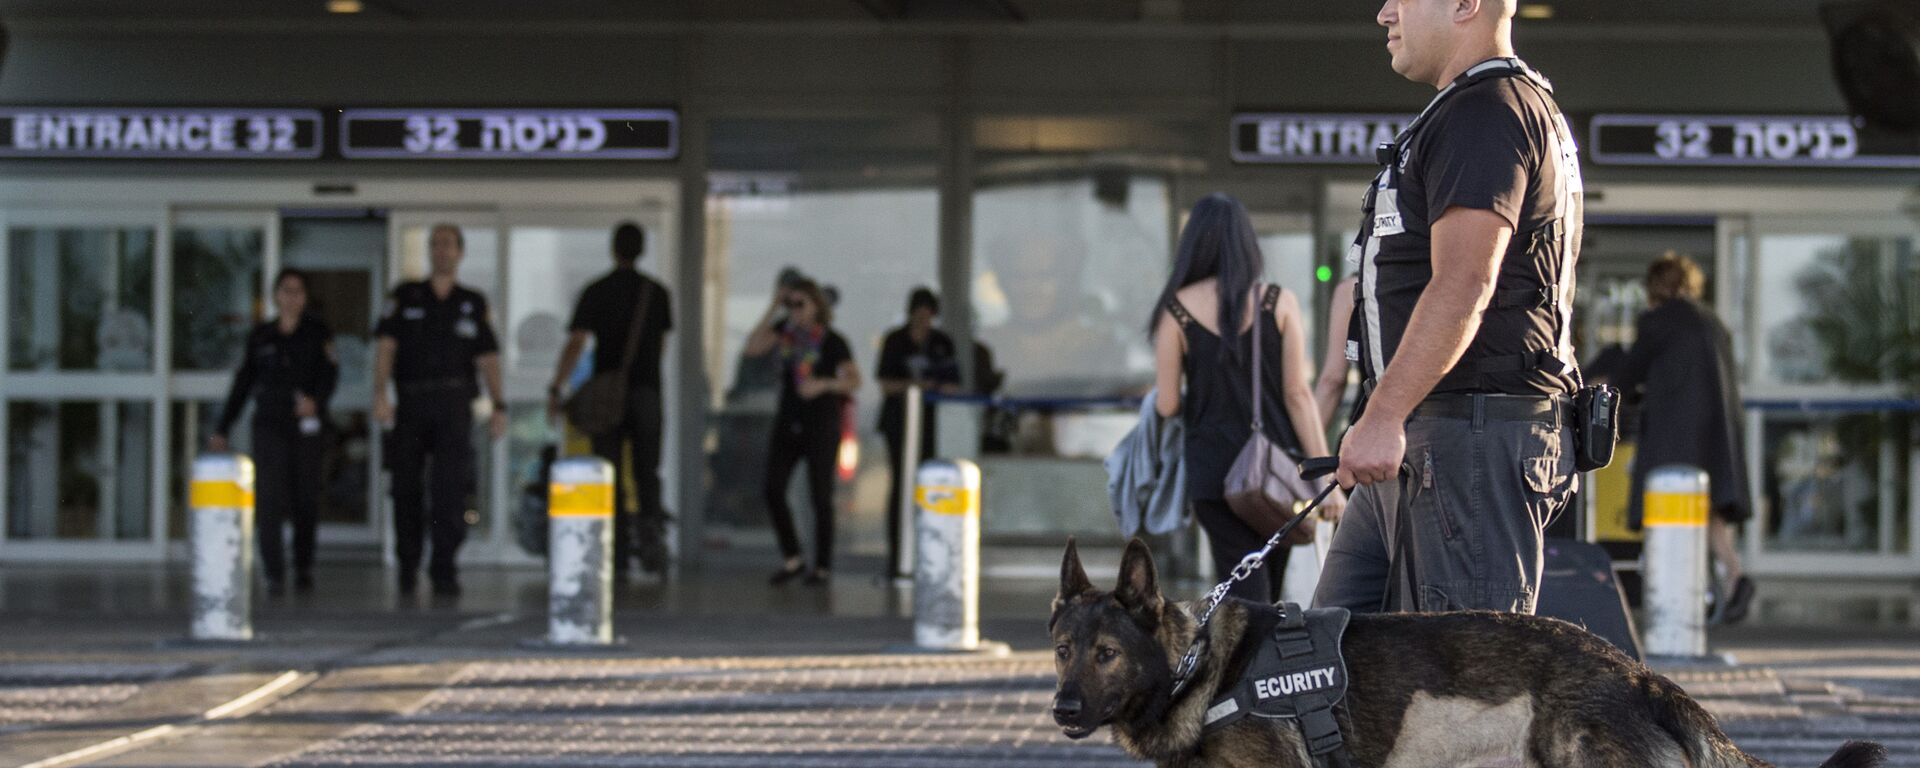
717 670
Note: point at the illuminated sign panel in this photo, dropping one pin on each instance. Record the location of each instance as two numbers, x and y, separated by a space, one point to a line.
1747 141
509 134
213 134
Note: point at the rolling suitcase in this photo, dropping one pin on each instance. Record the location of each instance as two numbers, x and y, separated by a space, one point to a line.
1578 585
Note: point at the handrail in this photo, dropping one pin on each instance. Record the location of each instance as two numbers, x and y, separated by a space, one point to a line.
1043 404
1817 405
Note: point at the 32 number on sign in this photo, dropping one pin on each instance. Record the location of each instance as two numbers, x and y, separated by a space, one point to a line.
1683 140
435 134
270 134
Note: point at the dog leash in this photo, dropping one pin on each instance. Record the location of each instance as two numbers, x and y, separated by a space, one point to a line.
1311 468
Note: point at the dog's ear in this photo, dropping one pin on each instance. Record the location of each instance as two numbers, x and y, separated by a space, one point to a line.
1073 579
1139 587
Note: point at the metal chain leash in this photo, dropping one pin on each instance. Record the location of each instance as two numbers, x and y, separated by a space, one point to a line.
1245 569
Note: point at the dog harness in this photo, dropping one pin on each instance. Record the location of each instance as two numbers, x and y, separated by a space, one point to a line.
1299 675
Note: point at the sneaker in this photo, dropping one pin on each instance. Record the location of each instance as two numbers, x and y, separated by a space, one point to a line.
786 574
446 588
818 578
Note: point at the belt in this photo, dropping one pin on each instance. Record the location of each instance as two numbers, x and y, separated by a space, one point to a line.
1545 408
433 386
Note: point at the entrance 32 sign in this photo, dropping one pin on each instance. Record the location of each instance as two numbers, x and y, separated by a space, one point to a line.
509 134
246 134
1748 141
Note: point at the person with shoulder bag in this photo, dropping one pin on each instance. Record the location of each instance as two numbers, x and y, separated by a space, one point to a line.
628 315
1248 406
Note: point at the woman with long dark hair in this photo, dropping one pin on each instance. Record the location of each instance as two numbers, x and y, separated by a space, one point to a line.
1202 330
817 377
289 373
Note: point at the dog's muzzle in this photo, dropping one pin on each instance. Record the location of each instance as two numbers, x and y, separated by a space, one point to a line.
1066 713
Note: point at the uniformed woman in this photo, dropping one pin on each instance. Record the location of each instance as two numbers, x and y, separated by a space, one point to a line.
289 373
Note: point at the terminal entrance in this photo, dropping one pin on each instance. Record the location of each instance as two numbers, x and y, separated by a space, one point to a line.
133 302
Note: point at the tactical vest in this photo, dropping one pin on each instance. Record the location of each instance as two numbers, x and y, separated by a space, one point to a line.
1299 674
1522 301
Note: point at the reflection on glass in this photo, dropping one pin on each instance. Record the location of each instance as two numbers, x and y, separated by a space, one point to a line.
79 470
872 245
550 265
1831 483
1065 281
82 299
1837 309
216 294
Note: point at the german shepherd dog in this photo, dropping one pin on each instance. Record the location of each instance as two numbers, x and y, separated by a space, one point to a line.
1473 688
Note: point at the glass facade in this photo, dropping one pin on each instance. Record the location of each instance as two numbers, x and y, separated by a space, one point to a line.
81 299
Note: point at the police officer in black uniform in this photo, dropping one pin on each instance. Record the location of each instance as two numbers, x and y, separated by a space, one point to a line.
289 373
1463 323
434 338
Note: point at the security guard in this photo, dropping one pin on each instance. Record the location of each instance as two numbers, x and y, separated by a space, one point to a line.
289 373
1462 323
433 337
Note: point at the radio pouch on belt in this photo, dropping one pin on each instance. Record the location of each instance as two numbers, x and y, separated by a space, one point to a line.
1596 425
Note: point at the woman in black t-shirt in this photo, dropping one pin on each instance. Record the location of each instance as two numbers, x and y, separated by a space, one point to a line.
817 377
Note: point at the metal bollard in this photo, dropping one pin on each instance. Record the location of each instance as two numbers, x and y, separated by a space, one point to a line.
1675 561
946 583
580 552
220 494
910 449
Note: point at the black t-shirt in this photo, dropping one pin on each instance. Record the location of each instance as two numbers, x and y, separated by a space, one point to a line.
1490 146
276 367
901 358
818 357
606 308
438 338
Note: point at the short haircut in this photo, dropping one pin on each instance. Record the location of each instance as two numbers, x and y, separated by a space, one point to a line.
923 297
822 306
629 241
1674 276
458 236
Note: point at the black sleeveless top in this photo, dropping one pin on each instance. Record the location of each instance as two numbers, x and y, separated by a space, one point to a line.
1218 406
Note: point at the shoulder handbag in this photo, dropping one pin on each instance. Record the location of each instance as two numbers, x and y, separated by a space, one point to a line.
599 406
1264 488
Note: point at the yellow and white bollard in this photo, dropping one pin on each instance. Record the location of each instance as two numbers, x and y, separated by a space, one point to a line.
580 552
1675 561
220 495
946 584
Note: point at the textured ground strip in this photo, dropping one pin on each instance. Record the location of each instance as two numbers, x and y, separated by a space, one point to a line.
916 711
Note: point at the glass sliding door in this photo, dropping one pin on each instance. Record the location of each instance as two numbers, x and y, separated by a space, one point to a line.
82 411
1833 323
222 261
